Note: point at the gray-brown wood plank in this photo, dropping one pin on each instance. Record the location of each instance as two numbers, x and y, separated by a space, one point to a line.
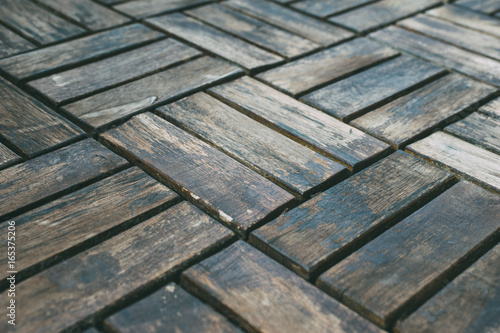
11 43
485 6
143 8
7 157
324 8
492 108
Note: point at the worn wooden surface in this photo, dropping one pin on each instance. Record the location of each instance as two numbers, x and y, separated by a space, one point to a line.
11 43
485 6
7 157
145 8
323 8
418 254
492 108
265 297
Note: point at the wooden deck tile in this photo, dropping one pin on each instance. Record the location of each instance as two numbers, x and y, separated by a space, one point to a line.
468 160
7 157
140 9
100 278
254 31
492 108
54 173
11 43
307 73
49 59
29 125
287 19
238 196
109 72
324 8
301 122
354 96
54 229
169 310
100 110
485 6
469 303
413 258
263 296
289 164
322 230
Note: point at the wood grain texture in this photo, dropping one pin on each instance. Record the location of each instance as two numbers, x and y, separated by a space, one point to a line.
254 31
468 160
29 125
7 157
415 256
263 296
450 56
98 279
324 8
319 232
124 101
304 74
52 230
143 8
215 41
287 19
417 113
169 310
74 83
469 303
238 196
54 173
287 163
11 43
354 96
302 123
59 56
485 6
492 108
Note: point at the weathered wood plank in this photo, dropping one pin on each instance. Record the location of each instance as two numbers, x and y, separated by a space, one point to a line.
304 74
238 196
252 30
460 60
287 163
143 8
29 125
7 157
11 43
102 109
52 230
302 123
263 296
468 160
91 330
319 232
170 310
485 6
49 59
86 12
351 97
96 76
381 13
215 41
285 18
492 108
53 173
324 8
469 303
94 281
417 255
411 116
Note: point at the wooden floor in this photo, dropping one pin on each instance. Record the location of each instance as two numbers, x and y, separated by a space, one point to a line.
249 166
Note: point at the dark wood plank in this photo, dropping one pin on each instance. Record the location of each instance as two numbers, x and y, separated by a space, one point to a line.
381 13
54 229
102 277
287 163
35 22
111 2
91 330
143 8
460 60
102 109
169 310
302 123
492 108
215 41
252 30
86 12
354 96
321 231
412 116
287 19
71 53
7 157
304 74
417 255
469 303
96 76
238 196
11 43
263 296
485 6
324 8
469 161
53 173
29 125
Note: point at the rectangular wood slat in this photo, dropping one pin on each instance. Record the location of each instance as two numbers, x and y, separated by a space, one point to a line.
11 43
143 8
102 277
409 261
492 108
324 8
486 6
263 296
7 157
